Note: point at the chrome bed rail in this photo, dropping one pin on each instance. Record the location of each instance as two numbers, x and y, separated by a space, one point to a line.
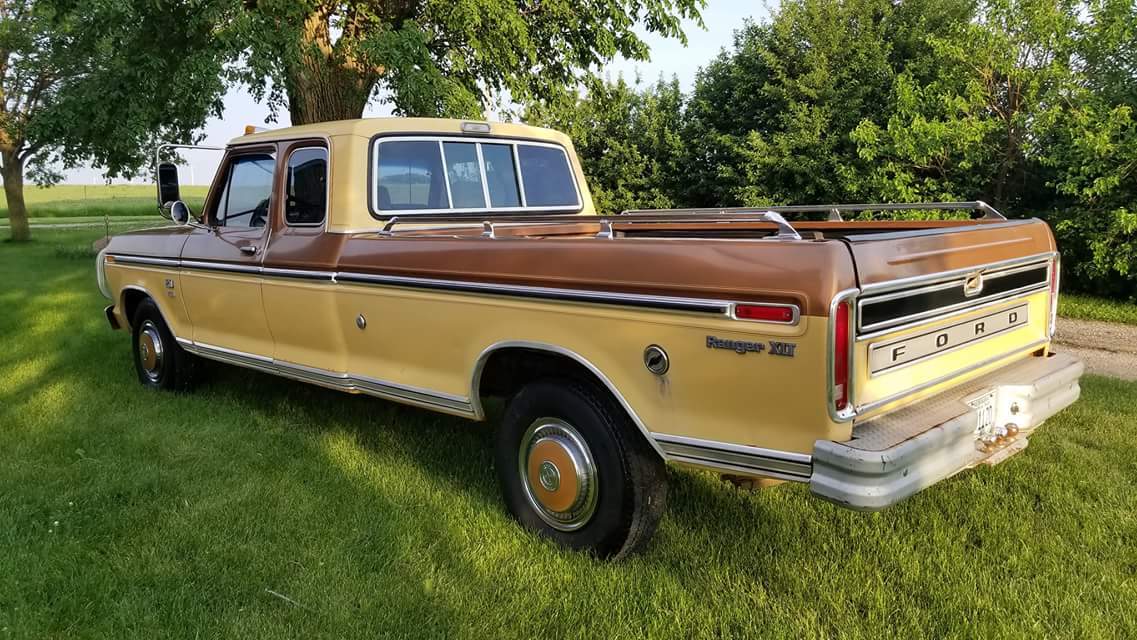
834 210
772 215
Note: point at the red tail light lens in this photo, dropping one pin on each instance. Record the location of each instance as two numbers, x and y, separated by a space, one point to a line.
841 356
765 313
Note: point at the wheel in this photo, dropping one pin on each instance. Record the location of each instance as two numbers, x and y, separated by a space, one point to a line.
573 467
159 360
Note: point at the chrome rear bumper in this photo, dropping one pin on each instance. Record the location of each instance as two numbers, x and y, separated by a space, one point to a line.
898 454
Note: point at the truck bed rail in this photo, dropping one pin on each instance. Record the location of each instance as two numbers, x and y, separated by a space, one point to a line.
773 215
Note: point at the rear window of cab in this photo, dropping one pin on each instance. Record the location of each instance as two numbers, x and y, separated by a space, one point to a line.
466 175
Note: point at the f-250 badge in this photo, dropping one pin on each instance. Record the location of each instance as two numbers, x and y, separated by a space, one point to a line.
741 347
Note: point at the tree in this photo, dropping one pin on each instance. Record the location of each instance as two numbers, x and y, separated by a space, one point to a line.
90 82
970 131
630 140
325 60
775 116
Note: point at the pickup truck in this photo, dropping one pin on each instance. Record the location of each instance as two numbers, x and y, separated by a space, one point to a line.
439 263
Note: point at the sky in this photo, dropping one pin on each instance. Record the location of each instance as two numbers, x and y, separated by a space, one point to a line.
669 57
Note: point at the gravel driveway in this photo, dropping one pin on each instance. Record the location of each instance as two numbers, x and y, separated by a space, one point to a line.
1108 349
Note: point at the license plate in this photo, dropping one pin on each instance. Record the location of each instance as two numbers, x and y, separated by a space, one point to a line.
984 406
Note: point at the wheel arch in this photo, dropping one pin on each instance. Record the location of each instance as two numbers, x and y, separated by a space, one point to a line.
131 296
491 357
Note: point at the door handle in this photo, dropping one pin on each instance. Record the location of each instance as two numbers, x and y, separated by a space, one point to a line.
249 250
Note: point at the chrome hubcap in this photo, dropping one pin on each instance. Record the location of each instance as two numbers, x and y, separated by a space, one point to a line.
558 473
150 350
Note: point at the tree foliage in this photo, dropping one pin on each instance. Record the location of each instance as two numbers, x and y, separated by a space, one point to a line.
631 139
90 82
1028 104
326 59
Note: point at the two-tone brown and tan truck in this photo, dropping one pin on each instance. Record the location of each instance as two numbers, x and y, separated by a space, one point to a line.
439 263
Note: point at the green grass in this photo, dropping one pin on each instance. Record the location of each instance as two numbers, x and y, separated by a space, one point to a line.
127 513
1082 307
70 200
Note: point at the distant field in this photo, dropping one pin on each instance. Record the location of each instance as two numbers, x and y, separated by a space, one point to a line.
71 200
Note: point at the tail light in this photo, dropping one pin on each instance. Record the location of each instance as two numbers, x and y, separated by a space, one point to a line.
1055 281
842 329
778 313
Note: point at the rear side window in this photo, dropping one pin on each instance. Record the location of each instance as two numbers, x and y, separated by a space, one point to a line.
467 175
546 176
464 174
410 176
306 190
244 200
501 176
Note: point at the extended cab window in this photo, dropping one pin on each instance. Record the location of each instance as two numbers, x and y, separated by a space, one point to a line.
470 175
306 190
245 195
410 176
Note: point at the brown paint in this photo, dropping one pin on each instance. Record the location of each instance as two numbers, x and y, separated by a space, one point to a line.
892 259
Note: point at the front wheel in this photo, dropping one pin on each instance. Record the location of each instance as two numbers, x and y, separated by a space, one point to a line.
573 467
159 360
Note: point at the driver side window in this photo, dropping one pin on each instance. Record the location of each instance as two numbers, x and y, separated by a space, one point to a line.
244 200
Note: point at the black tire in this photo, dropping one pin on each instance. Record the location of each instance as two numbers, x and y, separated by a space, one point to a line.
629 477
159 360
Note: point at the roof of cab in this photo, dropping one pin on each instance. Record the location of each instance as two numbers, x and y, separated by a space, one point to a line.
368 127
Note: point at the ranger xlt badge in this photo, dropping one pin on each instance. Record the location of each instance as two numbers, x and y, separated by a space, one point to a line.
786 349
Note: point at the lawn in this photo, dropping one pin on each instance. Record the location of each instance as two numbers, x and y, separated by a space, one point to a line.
260 507
1083 307
70 200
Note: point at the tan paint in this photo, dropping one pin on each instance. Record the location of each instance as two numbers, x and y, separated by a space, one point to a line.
433 341
152 281
870 389
351 144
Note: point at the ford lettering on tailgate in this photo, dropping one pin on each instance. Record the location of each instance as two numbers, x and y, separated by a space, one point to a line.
888 355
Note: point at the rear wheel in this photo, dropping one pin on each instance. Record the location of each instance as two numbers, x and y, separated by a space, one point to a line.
159 360
574 468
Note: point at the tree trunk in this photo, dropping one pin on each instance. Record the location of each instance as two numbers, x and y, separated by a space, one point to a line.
325 84
13 173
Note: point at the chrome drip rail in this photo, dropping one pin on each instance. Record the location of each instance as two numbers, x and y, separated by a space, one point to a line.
772 215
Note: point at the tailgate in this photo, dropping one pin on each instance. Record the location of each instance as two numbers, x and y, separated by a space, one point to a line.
939 307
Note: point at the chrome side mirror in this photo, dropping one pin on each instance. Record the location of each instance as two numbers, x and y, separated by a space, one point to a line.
178 212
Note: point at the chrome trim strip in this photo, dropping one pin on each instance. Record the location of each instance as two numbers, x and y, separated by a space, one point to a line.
483 357
301 274
220 266
696 305
630 299
890 325
987 304
850 411
904 283
724 456
144 260
346 382
876 404
954 282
